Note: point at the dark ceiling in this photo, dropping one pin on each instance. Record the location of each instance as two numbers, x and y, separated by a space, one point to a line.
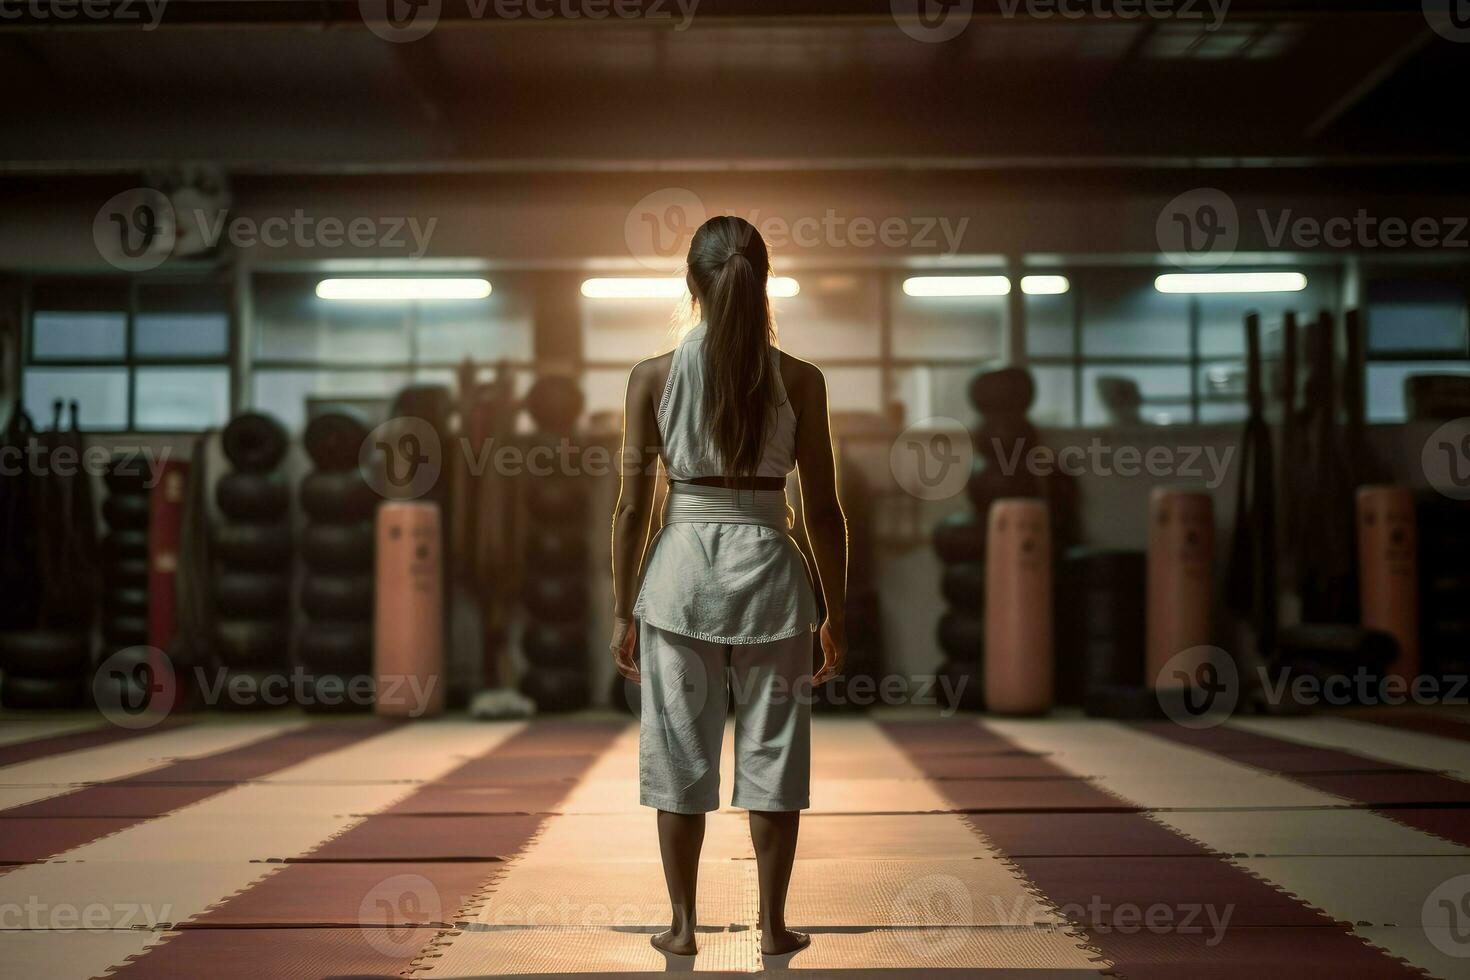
281 87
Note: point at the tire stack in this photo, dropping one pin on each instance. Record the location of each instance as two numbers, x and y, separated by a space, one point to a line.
1002 398
252 606
125 556
556 593
1102 594
50 572
335 648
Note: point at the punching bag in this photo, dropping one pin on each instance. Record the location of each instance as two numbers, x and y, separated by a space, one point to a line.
1388 573
1181 544
408 628
1018 617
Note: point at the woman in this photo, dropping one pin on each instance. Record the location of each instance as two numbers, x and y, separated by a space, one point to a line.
726 600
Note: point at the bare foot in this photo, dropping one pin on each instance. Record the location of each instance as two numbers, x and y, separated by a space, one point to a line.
783 942
674 943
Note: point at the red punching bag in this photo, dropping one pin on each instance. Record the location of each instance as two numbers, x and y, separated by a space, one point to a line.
408 626
1388 571
1181 545
1019 659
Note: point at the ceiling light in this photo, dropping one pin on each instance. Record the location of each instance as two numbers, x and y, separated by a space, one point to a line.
1231 282
1044 285
930 286
400 290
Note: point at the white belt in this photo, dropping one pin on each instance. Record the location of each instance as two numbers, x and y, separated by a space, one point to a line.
690 503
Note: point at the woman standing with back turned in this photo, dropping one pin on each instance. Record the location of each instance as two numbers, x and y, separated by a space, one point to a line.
726 599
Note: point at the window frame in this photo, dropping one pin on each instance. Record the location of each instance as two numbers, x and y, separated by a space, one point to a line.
131 361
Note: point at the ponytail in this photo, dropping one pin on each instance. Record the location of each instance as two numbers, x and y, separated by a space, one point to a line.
728 267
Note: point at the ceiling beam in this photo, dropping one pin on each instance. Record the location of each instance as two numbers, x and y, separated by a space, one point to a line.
127 15
1360 90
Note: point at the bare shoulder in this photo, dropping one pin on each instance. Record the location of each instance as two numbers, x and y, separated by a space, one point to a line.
648 375
804 381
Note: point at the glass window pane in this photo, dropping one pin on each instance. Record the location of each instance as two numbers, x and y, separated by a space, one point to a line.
1124 315
99 335
1416 316
176 334
925 392
628 330
1223 411
1056 396
854 389
182 399
101 393
834 316
1049 324
284 393
605 389
293 324
1385 385
1222 315
1163 395
489 329
182 320
948 328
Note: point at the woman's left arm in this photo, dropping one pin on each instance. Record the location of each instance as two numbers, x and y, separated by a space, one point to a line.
638 470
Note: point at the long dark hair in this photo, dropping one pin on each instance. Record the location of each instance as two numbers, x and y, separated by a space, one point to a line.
728 268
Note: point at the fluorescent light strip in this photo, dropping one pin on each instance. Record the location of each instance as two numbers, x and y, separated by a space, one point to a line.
949 286
937 286
1045 285
401 290
1231 282
648 287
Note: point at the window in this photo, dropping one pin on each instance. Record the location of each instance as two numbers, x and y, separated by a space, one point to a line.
308 349
133 356
1414 326
1113 350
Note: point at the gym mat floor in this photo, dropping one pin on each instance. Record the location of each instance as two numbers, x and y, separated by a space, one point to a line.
225 847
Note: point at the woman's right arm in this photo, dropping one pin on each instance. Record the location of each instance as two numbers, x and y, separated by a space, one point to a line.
638 468
826 525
